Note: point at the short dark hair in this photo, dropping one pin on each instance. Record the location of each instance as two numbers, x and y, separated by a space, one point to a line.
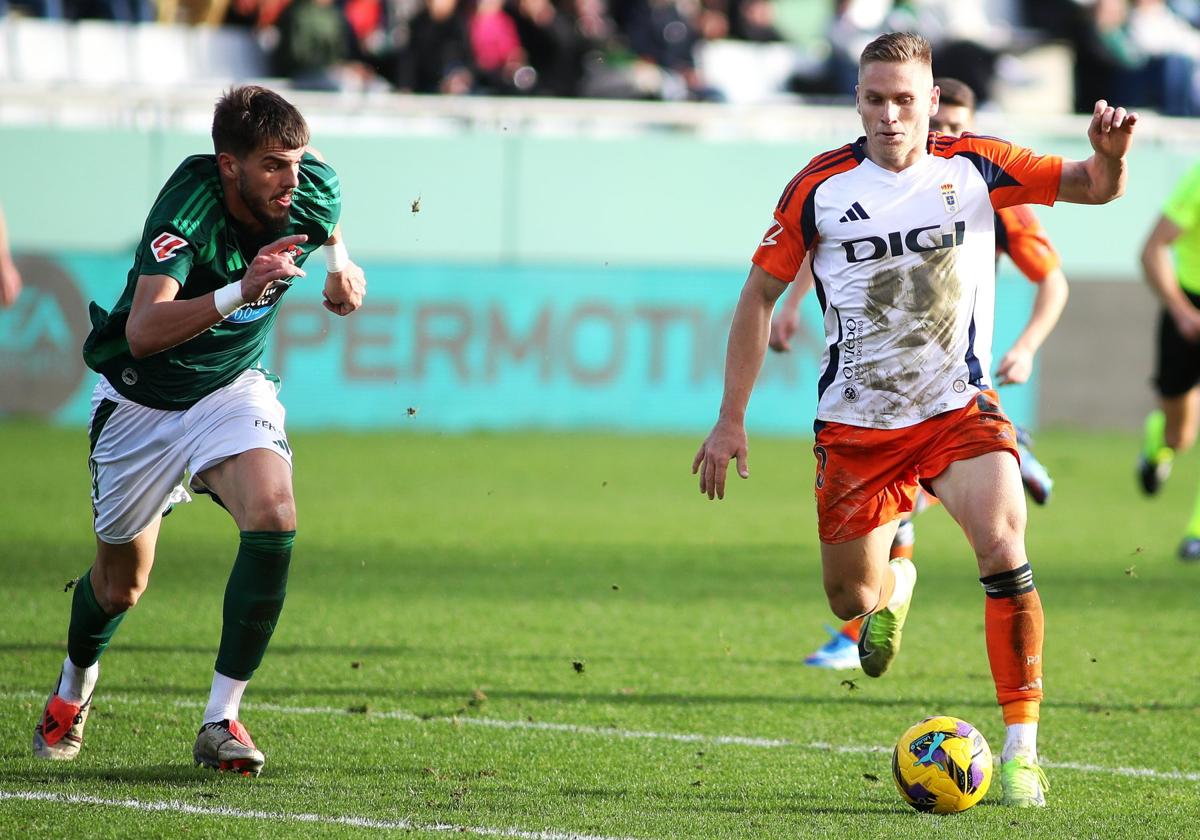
249 117
956 92
897 48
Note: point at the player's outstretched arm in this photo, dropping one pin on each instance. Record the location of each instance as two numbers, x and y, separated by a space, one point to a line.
1016 366
786 319
743 359
157 321
345 282
1100 178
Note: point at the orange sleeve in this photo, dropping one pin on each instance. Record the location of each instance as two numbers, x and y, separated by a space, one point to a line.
1013 174
793 230
1026 243
782 249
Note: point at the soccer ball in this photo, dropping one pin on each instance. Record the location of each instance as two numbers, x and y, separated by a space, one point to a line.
942 765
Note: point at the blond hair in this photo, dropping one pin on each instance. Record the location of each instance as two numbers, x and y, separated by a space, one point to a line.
897 48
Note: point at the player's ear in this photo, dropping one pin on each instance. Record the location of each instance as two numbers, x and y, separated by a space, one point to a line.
935 100
857 101
227 164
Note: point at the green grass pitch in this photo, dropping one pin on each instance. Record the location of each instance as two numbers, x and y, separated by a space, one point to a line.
536 635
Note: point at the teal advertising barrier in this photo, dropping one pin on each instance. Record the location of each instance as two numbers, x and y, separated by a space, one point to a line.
516 280
458 347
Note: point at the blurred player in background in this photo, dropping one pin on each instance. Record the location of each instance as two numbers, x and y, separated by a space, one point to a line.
1021 236
1176 283
900 229
181 391
10 279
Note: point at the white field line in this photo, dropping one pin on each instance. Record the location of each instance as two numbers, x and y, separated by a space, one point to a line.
613 732
174 806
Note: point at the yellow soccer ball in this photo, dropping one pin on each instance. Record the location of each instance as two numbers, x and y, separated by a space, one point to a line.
942 765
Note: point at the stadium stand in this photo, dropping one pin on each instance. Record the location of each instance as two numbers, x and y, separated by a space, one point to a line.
39 51
104 54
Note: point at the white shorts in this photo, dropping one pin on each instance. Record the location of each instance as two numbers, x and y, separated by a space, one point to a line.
140 454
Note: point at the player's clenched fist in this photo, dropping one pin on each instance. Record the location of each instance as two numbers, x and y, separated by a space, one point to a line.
273 263
345 289
784 326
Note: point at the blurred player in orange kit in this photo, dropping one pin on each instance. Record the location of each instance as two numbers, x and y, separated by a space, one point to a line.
899 228
1024 240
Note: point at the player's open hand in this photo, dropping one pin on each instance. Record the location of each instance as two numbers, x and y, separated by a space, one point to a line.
274 263
725 442
1015 367
1111 130
784 324
1187 321
345 289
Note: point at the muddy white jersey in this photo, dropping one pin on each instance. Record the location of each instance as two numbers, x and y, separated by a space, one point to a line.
905 270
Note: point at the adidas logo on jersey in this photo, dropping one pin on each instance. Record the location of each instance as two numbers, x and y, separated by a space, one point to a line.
856 213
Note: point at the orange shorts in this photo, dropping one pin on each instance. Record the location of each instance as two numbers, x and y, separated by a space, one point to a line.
866 477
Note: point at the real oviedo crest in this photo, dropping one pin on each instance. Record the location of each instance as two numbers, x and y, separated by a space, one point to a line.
950 198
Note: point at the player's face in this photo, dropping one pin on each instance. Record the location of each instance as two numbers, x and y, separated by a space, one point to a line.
952 119
896 101
265 180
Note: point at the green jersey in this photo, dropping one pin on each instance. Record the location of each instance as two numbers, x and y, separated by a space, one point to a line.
1183 208
191 237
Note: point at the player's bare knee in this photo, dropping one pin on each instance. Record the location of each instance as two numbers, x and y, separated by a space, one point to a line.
117 597
851 600
1001 552
274 513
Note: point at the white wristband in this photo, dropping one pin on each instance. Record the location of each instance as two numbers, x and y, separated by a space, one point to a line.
228 298
336 256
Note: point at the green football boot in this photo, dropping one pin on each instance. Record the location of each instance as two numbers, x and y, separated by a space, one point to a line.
1024 783
1156 458
879 637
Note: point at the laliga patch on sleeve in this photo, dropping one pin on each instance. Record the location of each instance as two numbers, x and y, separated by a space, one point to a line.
166 245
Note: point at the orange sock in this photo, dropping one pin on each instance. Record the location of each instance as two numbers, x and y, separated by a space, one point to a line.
1014 626
901 551
851 628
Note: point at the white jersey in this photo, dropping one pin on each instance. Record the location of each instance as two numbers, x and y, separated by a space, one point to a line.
905 270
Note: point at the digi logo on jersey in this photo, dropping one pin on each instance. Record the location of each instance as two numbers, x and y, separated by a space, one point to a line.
248 312
915 241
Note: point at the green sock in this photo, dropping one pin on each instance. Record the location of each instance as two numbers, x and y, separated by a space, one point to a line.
91 627
253 600
1154 446
1193 528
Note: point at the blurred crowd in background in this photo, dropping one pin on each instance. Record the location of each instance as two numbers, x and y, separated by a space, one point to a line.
1141 53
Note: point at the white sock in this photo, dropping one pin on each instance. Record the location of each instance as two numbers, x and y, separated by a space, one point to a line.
77 683
1020 739
906 578
224 699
